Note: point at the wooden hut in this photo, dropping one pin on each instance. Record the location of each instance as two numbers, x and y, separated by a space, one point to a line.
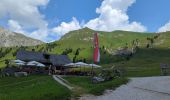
57 61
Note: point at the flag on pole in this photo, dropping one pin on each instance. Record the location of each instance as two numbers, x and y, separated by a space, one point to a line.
96 55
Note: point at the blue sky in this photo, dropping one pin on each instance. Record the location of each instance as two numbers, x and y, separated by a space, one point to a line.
48 20
151 13
58 11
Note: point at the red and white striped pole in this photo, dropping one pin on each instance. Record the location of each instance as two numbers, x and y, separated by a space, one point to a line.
96 53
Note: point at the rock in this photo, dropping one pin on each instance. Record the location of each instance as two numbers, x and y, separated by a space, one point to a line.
9 38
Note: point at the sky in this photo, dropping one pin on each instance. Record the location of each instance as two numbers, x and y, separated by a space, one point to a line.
48 20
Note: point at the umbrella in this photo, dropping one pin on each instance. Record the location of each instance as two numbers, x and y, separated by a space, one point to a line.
20 63
41 65
81 64
86 65
70 64
35 63
94 65
78 64
31 63
17 61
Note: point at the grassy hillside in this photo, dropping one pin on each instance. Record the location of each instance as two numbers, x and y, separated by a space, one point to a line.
78 45
109 41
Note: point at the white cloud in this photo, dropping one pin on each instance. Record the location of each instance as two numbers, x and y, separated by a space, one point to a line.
41 34
113 16
14 26
165 28
25 12
66 27
24 15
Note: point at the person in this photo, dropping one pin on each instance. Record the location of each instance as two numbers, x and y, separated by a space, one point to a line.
53 70
49 70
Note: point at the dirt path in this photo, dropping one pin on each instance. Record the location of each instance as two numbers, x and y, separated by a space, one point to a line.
62 81
146 88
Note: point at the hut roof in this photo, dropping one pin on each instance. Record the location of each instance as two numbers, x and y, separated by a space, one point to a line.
43 57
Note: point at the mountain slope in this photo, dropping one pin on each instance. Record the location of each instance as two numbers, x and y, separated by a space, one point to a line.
78 45
8 39
108 41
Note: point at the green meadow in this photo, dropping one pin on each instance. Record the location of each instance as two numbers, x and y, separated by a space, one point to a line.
36 87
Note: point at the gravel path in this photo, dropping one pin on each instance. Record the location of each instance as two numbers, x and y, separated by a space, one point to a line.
62 81
147 88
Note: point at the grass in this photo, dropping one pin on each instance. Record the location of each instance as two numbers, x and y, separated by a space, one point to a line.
42 87
32 88
87 87
146 62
